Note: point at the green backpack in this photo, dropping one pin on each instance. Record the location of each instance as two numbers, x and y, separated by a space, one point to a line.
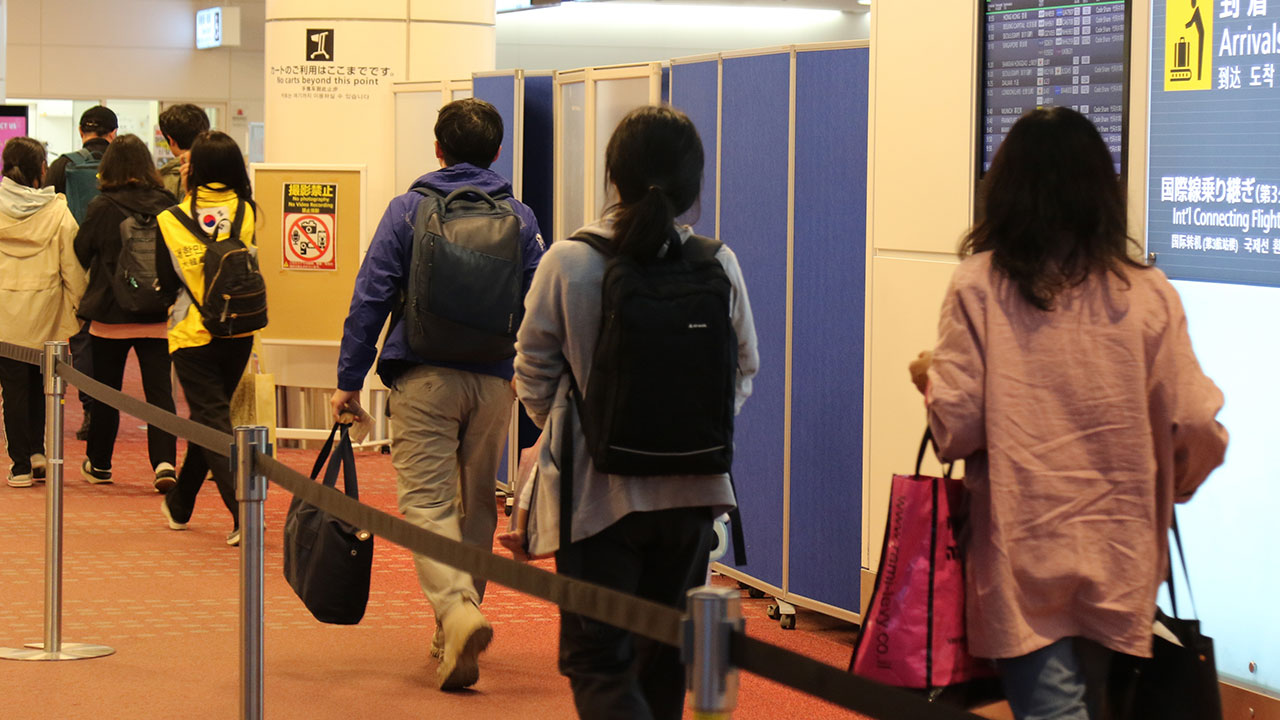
82 181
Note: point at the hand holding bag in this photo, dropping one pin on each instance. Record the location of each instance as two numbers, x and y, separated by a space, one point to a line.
327 561
913 632
1180 680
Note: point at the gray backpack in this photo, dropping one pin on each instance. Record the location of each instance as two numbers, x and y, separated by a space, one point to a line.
464 297
136 280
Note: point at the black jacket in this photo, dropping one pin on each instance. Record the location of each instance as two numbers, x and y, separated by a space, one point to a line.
56 177
98 247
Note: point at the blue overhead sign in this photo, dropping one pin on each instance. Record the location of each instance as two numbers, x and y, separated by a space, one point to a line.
1213 196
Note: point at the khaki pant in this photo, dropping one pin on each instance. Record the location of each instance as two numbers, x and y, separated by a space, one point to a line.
449 426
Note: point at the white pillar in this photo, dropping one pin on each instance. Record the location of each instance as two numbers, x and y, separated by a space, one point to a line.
330 66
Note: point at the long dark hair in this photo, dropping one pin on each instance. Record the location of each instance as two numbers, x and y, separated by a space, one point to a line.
215 159
127 163
1051 209
654 158
24 161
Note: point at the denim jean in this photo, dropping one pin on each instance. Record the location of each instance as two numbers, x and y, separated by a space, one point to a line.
1063 681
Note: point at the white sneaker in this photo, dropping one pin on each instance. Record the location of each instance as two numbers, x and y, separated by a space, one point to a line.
93 475
173 525
466 635
166 478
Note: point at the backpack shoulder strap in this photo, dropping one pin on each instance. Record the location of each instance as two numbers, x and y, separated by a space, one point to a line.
188 223
597 242
83 156
698 247
238 223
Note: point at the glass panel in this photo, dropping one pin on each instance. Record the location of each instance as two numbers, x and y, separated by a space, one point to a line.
614 99
141 118
570 195
415 137
52 124
462 93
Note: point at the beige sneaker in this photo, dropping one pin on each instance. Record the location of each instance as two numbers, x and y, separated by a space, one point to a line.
437 643
466 635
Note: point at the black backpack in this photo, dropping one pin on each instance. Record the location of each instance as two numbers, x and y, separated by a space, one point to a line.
136 281
660 396
235 293
465 293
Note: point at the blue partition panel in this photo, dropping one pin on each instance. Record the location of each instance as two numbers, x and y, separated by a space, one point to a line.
827 328
539 136
753 221
500 91
695 89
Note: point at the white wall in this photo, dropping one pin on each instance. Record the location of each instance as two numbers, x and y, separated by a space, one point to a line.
133 49
596 34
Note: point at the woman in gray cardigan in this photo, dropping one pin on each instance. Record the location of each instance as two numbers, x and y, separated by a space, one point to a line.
649 536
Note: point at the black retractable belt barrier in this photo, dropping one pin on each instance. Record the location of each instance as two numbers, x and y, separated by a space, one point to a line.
642 617
21 354
189 430
835 685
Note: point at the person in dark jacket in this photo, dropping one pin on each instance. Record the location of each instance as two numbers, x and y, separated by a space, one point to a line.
450 418
130 185
98 127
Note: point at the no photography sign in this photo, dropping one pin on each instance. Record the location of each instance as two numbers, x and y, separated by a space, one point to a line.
310 227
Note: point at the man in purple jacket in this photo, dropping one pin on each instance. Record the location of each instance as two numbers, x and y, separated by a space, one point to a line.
449 419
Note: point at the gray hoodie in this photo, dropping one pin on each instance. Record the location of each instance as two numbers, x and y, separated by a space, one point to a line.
561 324
41 280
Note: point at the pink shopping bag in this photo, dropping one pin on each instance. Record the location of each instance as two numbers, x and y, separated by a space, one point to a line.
913 632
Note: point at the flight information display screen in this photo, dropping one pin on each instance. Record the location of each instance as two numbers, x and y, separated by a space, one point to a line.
1047 53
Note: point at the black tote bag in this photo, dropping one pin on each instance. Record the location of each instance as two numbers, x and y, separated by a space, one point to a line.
1180 680
326 560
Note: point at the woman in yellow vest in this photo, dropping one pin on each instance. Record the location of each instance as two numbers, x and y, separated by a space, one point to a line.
210 236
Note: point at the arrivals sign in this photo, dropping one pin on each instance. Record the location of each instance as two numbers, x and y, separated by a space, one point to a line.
310 226
1214 155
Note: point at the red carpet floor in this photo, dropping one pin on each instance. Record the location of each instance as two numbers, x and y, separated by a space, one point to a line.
168 603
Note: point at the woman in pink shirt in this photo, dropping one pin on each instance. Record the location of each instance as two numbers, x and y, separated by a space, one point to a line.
1064 378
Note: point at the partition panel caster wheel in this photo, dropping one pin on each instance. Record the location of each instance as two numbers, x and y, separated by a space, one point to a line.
509 506
755 593
773 612
787 622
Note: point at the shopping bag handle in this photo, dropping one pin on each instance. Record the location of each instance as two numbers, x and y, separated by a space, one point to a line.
1173 594
344 458
924 445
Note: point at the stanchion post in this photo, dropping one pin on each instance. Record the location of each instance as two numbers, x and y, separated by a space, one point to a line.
713 615
251 491
53 648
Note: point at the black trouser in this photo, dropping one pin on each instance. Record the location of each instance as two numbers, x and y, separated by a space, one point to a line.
81 347
22 387
109 358
658 556
208 375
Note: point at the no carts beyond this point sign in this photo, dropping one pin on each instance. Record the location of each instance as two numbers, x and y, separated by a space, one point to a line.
310 228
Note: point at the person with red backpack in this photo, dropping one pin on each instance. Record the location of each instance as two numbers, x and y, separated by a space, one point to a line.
221 302
120 245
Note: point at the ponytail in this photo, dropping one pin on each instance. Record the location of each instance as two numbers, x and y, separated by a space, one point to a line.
643 227
655 160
